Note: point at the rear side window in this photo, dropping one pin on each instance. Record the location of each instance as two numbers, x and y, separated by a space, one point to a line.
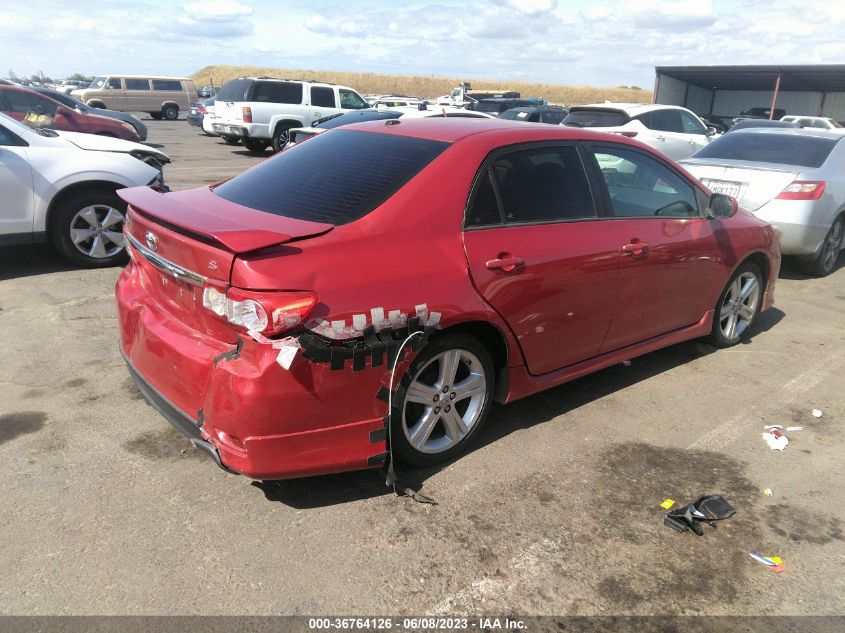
596 118
782 149
277 92
336 177
137 84
167 84
235 90
322 97
543 184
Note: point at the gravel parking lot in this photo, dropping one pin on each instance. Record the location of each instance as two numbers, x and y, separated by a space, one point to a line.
108 510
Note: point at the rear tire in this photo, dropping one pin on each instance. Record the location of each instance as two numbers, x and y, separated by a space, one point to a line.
822 265
281 136
231 140
255 144
738 306
446 403
156 115
170 112
87 228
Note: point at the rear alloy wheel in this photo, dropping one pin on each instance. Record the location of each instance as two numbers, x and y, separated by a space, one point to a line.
255 144
738 306
281 136
88 228
170 112
822 265
446 402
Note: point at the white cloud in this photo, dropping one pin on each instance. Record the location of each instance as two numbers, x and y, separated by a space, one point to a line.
218 9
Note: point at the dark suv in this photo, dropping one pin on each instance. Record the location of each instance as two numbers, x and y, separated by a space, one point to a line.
497 105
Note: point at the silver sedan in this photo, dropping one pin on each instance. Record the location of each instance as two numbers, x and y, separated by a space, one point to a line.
792 178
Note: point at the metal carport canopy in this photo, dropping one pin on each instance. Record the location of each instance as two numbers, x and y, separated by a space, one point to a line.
798 77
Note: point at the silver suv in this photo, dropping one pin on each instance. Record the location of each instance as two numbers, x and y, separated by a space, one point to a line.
260 111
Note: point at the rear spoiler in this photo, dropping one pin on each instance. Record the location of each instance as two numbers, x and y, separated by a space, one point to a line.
235 228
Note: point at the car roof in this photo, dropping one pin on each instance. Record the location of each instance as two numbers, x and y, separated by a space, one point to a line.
451 130
631 109
122 76
793 131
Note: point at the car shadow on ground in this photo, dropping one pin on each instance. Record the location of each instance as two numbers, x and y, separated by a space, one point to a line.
791 268
315 492
246 152
31 259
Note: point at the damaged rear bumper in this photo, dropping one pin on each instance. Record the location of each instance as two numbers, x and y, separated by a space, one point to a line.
182 422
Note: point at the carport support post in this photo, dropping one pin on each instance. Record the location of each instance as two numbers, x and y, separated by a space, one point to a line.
774 98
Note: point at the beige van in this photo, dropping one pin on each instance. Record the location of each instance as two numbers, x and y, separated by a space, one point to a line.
161 97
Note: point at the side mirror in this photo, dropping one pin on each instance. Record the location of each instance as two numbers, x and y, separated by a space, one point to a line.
711 131
721 206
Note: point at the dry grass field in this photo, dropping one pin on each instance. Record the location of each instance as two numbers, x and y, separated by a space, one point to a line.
372 83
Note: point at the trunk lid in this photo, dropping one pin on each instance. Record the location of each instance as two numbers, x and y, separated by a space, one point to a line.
752 185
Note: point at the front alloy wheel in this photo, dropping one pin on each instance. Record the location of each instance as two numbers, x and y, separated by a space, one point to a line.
738 306
88 228
446 401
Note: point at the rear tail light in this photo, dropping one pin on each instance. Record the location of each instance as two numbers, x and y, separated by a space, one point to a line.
803 190
268 313
201 110
626 133
247 112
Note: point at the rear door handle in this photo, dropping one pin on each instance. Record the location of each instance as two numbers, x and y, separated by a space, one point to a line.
507 264
635 249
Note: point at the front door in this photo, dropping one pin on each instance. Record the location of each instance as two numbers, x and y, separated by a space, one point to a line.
540 255
17 200
668 254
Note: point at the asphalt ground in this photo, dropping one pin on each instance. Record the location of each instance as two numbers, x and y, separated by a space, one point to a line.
108 510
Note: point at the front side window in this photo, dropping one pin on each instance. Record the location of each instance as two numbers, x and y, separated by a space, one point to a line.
350 100
166 84
137 84
544 184
691 124
322 97
278 92
98 82
642 186
7 138
666 121
114 83
29 103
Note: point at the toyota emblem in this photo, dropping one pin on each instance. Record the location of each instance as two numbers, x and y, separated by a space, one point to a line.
152 241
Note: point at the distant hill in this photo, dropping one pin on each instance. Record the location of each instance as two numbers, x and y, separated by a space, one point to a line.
372 83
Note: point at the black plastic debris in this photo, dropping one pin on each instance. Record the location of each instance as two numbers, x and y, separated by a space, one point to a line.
705 509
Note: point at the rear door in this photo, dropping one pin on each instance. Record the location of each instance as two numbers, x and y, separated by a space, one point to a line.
667 251
540 254
323 101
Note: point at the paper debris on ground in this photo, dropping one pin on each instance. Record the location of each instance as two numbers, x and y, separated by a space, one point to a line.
777 441
817 413
667 504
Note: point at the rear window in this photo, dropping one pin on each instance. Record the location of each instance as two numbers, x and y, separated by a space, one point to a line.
166 84
596 118
234 90
277 92
334 178
781 149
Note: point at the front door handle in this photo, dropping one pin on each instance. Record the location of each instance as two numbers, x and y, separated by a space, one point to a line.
635 249
505 264
660 137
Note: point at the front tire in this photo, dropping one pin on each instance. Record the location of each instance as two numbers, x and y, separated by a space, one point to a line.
822 265
738 306
446 403
87 228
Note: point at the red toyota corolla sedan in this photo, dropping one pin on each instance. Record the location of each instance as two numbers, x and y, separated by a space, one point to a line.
458 261
39 110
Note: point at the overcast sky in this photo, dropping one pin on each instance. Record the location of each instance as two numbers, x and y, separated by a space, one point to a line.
600 43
